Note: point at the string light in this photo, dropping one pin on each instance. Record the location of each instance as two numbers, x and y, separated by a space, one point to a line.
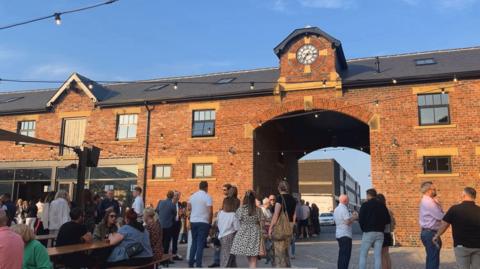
56 15
455 78
376 102
58 20
175 85
252 85
394 81
324 83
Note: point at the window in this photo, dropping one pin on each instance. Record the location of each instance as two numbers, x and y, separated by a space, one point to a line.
156 88
433 165
433 109
127 126
162 171
202 170
426 61
225 80
9 100
27 128
203 123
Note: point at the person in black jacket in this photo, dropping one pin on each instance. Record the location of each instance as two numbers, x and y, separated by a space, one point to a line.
108 202
373 218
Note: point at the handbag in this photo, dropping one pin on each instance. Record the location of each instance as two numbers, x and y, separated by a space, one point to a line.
261 249
134 249
282 229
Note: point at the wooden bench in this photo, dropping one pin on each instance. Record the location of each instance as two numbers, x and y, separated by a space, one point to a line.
152 264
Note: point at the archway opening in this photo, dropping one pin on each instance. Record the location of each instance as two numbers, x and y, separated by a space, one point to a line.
281 142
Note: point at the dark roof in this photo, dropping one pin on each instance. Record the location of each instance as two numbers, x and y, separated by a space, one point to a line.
462 63
312 31
194 87
449 63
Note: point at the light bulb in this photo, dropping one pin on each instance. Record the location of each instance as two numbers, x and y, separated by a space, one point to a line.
252 86
175 86
58 20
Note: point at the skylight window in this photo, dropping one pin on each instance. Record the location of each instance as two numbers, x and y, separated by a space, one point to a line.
156 88
225 80
426 61
11 99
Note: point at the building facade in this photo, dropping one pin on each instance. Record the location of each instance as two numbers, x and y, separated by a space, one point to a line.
323 181
415 114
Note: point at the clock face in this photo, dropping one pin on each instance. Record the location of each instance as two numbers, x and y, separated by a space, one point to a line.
307 54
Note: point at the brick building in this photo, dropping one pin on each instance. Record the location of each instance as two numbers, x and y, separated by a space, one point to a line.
415 114
323 181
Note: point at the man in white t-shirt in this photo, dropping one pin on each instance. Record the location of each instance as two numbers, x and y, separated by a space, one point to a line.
200 206
343 221
138 205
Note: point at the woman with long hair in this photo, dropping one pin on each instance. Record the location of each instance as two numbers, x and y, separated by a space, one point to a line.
387 235
132 243
59 211
285 203
107 226
150 219
228 225
90 210
315 219
247 239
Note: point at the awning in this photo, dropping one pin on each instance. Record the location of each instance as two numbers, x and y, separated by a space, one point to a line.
11 136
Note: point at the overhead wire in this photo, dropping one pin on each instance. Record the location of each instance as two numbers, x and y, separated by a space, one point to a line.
56 15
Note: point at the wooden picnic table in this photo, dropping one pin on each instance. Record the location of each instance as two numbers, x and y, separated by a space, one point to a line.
56 251
45 237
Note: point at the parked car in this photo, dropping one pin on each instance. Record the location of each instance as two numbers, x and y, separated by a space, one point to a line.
326 219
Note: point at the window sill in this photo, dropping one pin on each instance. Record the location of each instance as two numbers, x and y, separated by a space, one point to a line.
161 180
435 126
202 179
133 140
439 175
202 137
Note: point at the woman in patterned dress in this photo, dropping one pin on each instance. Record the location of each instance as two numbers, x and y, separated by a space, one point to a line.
247 239
154 229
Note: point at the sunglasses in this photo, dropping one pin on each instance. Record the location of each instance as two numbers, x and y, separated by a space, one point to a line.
112 216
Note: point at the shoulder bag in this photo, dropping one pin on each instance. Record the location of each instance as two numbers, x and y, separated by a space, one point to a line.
134 249
282 229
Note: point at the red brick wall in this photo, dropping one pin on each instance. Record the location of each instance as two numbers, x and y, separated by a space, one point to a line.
395 169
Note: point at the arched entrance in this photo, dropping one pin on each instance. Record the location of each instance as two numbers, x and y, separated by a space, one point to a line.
280 141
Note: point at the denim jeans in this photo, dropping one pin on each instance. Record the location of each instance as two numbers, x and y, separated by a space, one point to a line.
216 255
433 252
344 252
370 239
199 235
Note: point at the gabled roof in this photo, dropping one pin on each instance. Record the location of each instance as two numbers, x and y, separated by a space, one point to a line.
92 89
312 31
462 63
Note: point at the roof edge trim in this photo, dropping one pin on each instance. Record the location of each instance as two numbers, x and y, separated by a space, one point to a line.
73 77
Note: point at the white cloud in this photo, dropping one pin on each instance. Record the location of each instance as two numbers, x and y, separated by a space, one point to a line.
332 4
51 70
9 54
443 4
456 4
280 5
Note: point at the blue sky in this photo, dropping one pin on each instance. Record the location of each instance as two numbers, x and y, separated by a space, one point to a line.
142 39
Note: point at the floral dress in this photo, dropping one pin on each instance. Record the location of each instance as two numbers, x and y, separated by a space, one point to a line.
247 239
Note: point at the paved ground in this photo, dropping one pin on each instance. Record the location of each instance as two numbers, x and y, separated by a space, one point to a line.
321 252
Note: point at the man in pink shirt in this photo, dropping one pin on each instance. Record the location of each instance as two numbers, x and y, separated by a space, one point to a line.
11 245
431 215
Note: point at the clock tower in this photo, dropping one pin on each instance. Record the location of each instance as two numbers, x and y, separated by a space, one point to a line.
310 59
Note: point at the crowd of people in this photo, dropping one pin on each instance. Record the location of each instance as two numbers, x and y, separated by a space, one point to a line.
377 223
250 227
